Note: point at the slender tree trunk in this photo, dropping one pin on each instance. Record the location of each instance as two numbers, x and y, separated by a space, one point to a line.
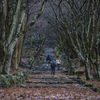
17 50
87 71
2 56
20 49
1 67
97 62
13 58
98 71
0 17
16 55
21 42
3 32
70 64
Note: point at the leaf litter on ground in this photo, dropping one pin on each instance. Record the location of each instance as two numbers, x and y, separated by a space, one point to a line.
70 93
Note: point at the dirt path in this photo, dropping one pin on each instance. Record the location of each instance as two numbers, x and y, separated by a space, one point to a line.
41 85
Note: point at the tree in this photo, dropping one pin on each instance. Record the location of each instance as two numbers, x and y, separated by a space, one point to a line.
11 29
79 22
0 17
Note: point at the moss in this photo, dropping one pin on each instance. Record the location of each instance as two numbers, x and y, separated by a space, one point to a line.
4 82
12 79
8 80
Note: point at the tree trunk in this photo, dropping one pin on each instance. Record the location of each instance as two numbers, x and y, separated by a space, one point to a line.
97 71
7 45
97 62
87 71
2 56
21 43
8 57
0 18
1 67
16 55
7 64
20 49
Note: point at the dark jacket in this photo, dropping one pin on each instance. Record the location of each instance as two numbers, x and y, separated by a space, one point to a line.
48 58
53 64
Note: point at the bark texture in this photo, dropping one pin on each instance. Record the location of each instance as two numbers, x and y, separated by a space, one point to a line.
10 23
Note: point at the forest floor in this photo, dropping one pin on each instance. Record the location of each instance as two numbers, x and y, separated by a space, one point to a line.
41 85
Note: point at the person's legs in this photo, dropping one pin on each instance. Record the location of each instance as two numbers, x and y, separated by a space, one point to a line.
48 63
58 66
53 70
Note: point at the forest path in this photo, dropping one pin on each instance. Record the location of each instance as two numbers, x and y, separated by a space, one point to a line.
43 68
41 85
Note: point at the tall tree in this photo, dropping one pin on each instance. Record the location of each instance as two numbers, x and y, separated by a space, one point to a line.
9 25
79 22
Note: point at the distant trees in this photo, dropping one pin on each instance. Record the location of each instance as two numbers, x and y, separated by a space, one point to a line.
11 29
77 25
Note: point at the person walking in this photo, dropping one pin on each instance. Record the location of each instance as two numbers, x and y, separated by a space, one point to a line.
58 62
53 65
48 59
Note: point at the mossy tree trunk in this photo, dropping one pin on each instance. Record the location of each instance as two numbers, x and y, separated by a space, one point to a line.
79 25
16 56
20 44
9 25
17 45
87 70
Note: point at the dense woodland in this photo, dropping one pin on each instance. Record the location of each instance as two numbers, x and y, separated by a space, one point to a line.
77 25
71 28
74 25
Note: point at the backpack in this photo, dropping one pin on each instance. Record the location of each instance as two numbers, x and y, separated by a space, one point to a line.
48 58
53 64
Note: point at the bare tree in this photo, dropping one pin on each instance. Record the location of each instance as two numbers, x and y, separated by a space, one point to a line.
78 21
